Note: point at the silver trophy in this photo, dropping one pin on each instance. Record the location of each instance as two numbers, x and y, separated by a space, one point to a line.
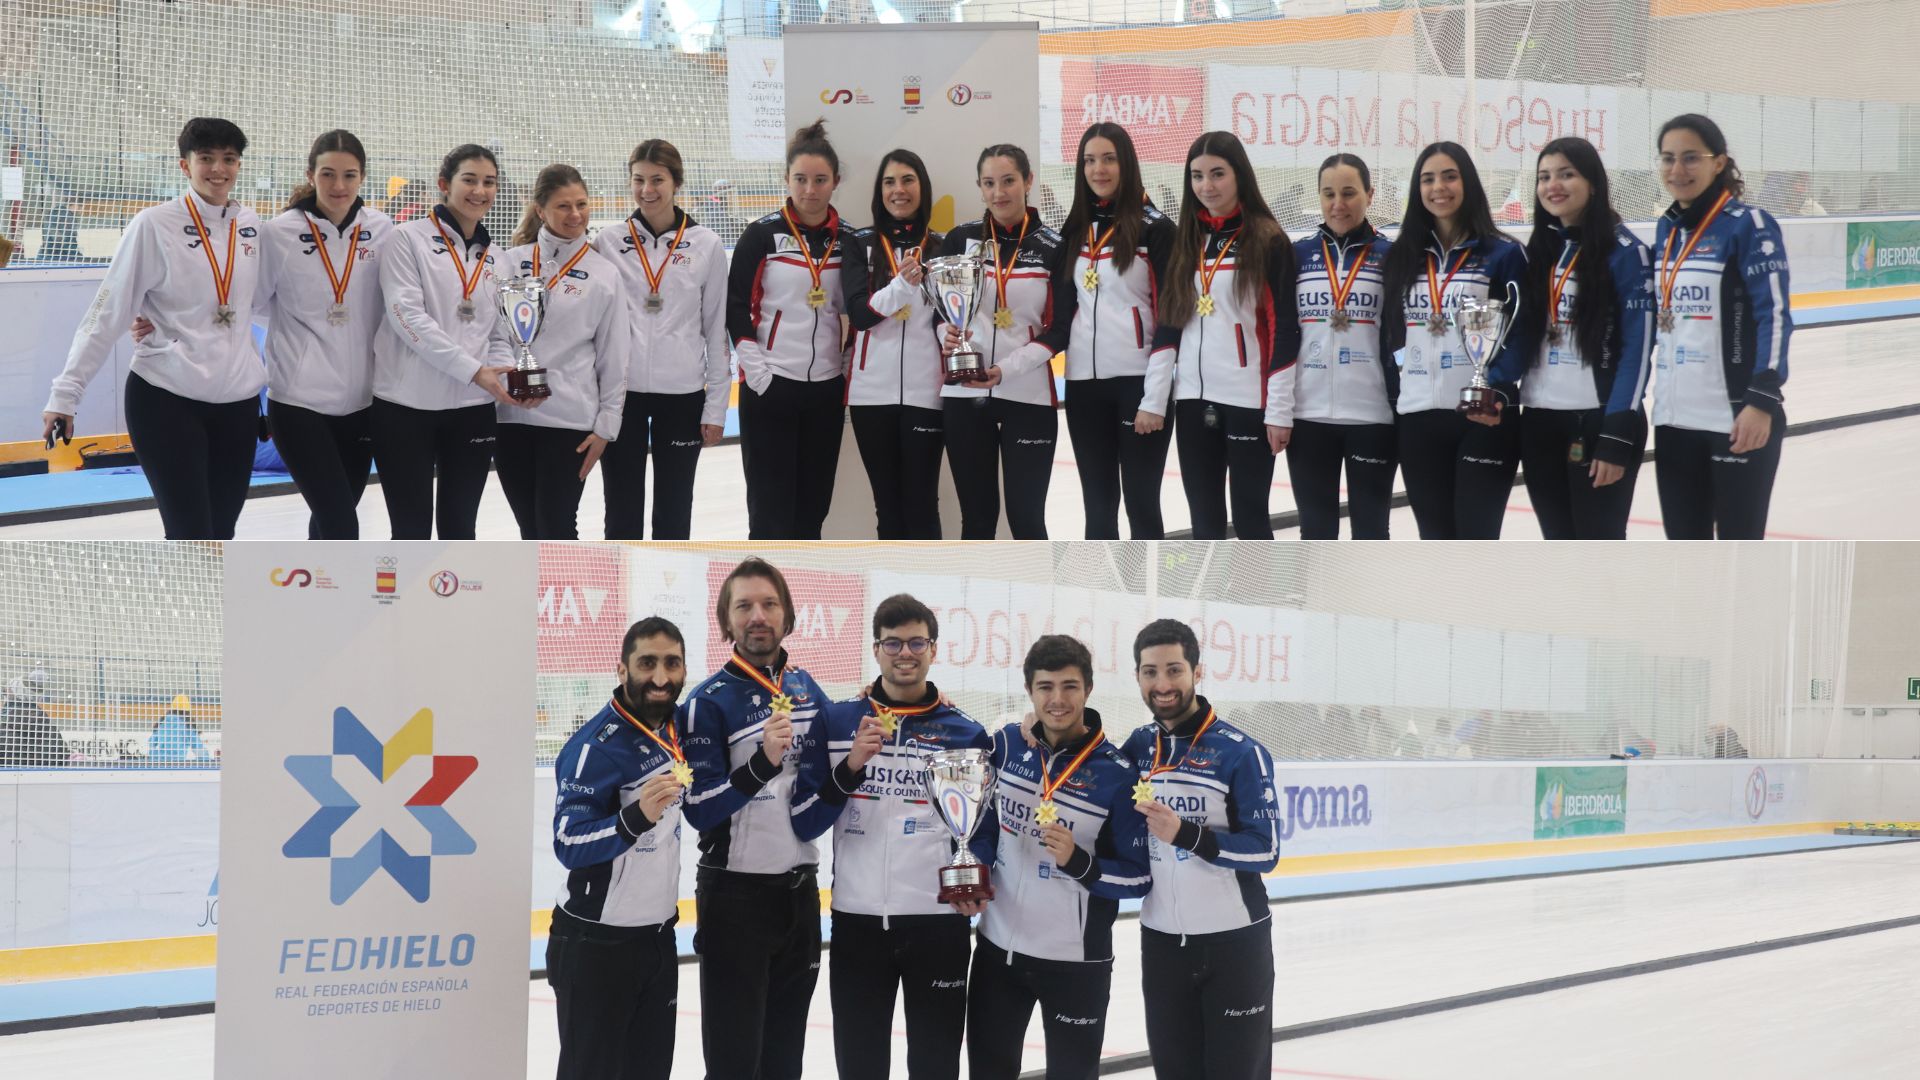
953 284
960 784
1484 325
523 303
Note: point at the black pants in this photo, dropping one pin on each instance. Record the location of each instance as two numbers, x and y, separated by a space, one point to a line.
412 446
1209 1003
1000 1000
1459 473
1114 460
923 955
328 458
668 425
1229 458
759 945
1314 456
1564 499
991 441
615 988
1705 491
790 447
197 456
901 445
539 471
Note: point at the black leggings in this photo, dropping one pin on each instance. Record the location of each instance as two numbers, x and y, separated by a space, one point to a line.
921 957
614 988
1209 1000
991 441
1114 460
539 471
1459 474
1233 452
900 445
1556 452
1706 491
411 445
790 448
197 456
1000 1000
1314 457
328 458
668 425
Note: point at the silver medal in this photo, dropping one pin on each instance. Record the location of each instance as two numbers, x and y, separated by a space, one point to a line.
466 311
337 315
654 303
223 315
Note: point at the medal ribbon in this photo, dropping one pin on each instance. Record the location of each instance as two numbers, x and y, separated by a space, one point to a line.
1094 245
223 283
1670 271
571 263
646 268
1172 765
341 280
893 261
1206 272
1000 272
1047 788
671 744
1438 289
753 672
467 284
816 269
1556 288
1341 292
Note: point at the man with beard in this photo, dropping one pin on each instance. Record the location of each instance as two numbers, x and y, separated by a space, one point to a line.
756 891
611 958
1206 947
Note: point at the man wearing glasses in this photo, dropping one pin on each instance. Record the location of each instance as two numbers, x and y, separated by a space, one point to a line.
890 931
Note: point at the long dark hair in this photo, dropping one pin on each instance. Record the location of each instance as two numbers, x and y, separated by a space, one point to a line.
1129 199
1261 237
921 216
1716 141
1593 300
1408 257
551 180
337 141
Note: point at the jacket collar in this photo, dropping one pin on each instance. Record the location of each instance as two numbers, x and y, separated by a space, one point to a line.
480 235
310 206
1071 746
1691 216
1225 224
741 667
1360 234
902 233
1186 728
999 230
828 227
879 694
555 250
679 215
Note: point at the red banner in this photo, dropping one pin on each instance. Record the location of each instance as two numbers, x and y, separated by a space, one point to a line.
1163 108
583 609
830 622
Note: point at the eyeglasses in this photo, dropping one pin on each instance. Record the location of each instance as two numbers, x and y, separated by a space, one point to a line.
892 646
1689 160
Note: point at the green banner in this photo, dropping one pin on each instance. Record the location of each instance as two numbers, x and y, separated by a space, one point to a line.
1585 801
1883 253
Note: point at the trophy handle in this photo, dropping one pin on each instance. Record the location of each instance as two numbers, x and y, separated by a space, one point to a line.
1513 304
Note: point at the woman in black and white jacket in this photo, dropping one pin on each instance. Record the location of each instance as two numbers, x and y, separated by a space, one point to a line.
1229 334
675 274
543 457
783 312
1002 429
440 357
894 372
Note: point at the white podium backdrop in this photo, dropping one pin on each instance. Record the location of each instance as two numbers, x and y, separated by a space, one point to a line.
373 842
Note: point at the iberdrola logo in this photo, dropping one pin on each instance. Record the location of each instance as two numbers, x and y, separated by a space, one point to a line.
1553 803
355 747
1863 256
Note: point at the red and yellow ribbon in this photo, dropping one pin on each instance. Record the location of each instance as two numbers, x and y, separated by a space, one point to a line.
1341 291
646 268
341 280
467 284
1436 288
813 268
222 282
1670 270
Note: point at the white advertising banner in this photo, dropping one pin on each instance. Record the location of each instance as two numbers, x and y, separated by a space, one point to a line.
943 90
376 770
756 99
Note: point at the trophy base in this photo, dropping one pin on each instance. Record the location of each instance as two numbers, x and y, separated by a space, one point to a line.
964 367
1478 401
964 883
528 384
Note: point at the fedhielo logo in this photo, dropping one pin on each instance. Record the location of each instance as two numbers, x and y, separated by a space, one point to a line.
352 742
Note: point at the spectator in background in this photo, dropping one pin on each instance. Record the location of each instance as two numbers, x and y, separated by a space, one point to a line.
28 738
1874 198
6 251
59 235
1443 745
1724 742
410 201
721 213
176 738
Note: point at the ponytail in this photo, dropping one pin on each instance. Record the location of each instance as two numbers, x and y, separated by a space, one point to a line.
1716 141
812 139
553 178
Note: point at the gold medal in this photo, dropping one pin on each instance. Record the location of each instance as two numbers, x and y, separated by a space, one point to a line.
1002 314
1095 242
1143 792
1091 279
1203 306
780 703
816 298
904 313
1003 318
1047 814
889 723
682 774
